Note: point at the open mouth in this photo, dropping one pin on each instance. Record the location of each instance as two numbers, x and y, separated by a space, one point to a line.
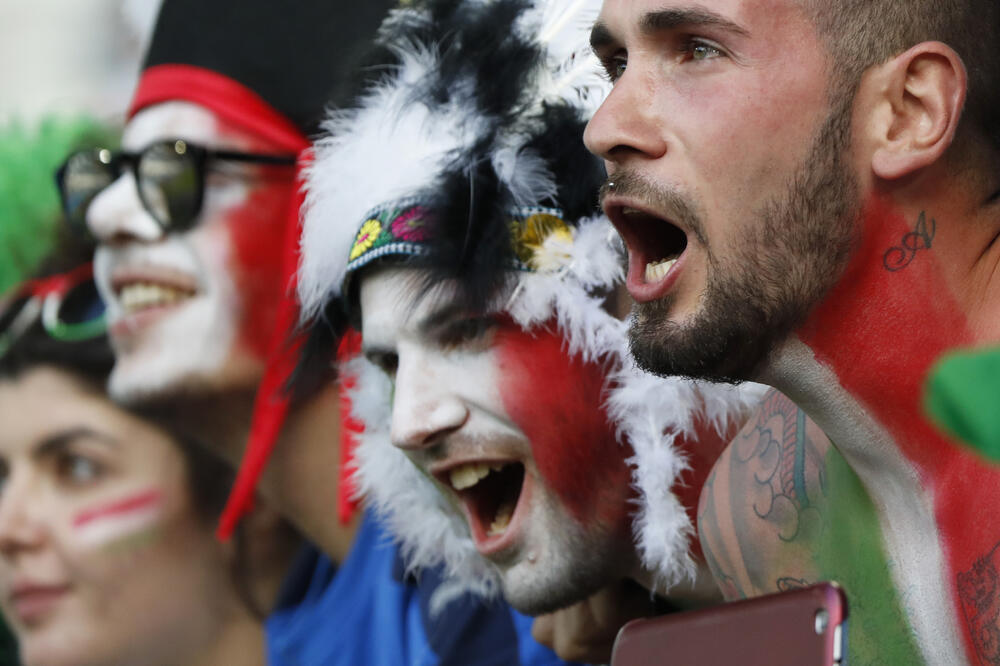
657 242
490 492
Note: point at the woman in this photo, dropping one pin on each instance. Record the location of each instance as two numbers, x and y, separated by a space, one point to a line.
107 554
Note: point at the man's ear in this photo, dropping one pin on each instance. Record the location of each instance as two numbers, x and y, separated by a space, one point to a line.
920 97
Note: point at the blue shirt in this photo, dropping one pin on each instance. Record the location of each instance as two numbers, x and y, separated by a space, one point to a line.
368 614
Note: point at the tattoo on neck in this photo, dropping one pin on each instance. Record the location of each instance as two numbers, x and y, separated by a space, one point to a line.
898 257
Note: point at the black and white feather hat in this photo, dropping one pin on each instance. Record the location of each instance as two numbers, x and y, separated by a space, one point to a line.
463 155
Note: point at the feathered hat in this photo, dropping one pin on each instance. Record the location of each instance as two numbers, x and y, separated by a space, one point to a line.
464 157
269 68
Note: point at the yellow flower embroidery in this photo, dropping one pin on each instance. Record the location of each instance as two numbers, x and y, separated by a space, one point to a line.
366 237
531 235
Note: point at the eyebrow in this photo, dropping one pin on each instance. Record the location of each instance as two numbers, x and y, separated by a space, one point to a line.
441 318
57 443
666 19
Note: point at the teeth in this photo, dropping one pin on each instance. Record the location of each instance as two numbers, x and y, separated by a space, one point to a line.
466 476
656 271
502 519
140 295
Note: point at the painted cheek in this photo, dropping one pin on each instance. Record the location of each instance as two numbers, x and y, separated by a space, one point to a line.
131 519
557 401
257 229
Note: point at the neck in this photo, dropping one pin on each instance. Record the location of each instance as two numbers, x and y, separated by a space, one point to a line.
303 479
240 643
920 283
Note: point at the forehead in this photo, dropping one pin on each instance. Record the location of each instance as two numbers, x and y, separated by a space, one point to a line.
176 120
44 401
393 303
757 19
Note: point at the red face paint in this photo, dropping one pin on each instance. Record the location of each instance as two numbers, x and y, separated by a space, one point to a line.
257 229
129 505
557 401
880 331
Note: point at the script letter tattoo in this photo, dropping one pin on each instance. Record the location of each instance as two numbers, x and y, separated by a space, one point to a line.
898 257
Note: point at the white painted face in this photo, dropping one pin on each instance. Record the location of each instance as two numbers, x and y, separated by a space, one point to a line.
103 557
191 308
511 430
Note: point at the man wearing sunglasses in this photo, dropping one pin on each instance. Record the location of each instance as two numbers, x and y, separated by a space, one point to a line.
197 223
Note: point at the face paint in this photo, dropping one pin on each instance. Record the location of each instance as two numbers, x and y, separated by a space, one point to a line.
558 402
192 308
880 331
257 231
122 520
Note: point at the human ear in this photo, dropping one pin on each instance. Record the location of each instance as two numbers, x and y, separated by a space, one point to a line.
920 97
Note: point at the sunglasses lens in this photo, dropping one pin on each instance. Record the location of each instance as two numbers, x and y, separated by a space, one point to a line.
83 177
169 183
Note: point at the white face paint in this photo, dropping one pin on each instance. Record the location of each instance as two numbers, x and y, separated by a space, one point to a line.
452 415
103 557
178 311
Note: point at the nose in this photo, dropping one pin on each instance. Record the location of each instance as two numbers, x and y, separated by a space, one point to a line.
117 215
627 125
20 529
425 407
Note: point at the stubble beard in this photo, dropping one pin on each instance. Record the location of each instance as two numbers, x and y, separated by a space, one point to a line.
784 261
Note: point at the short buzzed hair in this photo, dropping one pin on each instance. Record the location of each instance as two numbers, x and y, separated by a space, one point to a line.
863 33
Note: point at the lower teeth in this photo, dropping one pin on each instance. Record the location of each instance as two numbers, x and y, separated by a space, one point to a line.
502 519
657 271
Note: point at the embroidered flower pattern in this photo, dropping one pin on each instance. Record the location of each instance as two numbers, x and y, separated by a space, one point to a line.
538 231
366 238
410 225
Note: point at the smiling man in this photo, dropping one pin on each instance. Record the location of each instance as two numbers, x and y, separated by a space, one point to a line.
507 434
808 193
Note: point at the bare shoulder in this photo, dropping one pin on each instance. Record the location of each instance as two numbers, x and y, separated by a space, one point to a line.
761 509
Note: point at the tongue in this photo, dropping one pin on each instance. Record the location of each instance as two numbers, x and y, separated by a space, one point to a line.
494 498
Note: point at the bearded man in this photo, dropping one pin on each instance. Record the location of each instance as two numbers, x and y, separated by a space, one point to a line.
450 217
197 220
809 195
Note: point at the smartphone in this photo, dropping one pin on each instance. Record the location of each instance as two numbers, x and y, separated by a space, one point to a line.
802 627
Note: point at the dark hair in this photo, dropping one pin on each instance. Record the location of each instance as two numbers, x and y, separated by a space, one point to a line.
208 478
863 33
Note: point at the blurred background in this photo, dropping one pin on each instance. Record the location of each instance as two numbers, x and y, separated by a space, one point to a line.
70 56
66 58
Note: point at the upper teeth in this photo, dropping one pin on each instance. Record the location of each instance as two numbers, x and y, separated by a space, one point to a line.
468 475
140 295
657 270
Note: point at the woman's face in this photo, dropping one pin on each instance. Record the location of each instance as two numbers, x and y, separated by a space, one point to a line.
102 557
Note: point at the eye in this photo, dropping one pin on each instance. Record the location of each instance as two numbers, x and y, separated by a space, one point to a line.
698 50
387 361
78 470
614 67
4 474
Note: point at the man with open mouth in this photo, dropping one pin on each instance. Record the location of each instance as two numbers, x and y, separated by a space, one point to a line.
809 195
450 217
197 221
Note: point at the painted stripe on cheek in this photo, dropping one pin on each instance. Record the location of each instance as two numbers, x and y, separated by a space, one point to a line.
117 520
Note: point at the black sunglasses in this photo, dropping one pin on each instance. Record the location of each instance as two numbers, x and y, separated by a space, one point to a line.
169 175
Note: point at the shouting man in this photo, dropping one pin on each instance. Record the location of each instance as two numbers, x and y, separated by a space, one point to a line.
809 195
197 221
451 211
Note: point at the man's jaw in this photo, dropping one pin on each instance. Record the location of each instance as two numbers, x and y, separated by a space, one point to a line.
494 495
657 247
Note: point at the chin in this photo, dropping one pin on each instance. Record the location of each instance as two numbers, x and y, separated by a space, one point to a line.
558 570
194 349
